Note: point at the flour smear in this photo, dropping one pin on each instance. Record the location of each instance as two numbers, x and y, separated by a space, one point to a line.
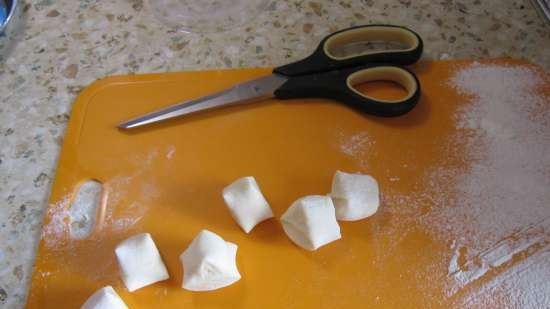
74 215
498 213
356 146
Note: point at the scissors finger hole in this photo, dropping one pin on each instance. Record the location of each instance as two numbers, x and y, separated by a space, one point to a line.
385 84
365 47
369 40
382 90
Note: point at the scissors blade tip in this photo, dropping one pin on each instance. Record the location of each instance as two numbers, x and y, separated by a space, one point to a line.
123 126
129 125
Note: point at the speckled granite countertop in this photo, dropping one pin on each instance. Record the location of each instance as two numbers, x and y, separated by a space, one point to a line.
66 44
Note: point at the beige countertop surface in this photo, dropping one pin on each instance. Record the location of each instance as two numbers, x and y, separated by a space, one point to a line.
63 46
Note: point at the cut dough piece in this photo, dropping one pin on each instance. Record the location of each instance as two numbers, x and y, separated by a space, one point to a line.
140 262
310 222
105 298
355 196
246 203
209 263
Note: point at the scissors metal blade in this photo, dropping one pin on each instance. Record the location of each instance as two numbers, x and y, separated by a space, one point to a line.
247 92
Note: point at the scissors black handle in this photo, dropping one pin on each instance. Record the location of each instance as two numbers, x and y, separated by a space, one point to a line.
339 85
324 58
324 74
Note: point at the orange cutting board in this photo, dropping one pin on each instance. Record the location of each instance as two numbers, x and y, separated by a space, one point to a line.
166 179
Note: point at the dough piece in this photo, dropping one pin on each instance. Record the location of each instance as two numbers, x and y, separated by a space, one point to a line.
140 262
246 203
105 298
355 196
310 222
209 263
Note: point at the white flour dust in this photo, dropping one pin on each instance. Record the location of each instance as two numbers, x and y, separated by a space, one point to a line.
75 217
117 189
170 152
523 286
356 146
59 221
499 208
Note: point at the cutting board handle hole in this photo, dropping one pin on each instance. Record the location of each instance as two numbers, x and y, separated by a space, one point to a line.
83 213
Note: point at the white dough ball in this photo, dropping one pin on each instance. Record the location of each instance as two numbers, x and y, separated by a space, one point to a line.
246 203
209 263
355 196
140 262
310 222
105 298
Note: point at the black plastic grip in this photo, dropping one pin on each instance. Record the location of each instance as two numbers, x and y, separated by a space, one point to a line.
319 61
333 85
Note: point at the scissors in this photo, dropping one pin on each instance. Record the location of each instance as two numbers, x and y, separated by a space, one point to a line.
326 73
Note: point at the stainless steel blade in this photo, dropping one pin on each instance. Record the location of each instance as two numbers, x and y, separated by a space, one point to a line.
250 91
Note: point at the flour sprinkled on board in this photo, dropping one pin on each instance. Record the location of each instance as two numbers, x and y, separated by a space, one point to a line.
171 150
73 216
356 146
59 216
523 286
499 208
